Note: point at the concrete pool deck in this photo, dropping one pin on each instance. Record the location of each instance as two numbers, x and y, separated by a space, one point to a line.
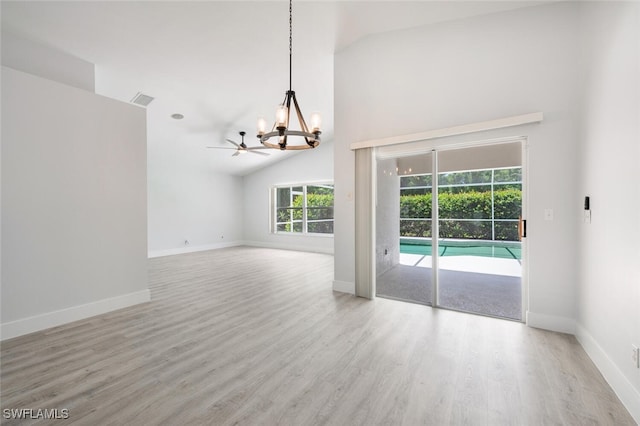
477 264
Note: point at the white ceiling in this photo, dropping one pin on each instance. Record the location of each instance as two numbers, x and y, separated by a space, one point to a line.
220 64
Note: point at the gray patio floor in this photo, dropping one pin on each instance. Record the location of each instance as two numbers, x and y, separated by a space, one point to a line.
487 294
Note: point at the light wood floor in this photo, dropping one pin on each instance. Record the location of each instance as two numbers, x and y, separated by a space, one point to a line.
256 336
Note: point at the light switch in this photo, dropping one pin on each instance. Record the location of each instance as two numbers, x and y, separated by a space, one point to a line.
548 214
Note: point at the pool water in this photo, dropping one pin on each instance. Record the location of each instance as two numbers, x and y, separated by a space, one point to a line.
481 248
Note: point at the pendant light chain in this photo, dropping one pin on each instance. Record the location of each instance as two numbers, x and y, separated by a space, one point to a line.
281 129
290 43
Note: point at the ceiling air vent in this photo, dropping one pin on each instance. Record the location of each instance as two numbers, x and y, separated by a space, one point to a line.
141 99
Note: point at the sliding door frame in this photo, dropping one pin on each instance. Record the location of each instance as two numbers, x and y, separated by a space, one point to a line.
435 230
435 217
365 287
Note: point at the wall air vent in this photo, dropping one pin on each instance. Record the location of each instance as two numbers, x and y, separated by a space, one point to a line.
141 99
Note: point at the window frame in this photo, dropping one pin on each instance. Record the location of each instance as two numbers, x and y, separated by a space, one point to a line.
273 222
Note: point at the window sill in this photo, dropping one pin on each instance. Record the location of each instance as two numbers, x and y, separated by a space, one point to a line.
300 234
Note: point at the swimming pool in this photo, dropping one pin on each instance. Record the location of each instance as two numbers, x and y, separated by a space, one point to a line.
483 248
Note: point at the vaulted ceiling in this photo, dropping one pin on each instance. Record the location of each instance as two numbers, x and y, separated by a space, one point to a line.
220 64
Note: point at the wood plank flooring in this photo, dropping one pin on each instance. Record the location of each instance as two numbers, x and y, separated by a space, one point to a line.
254 336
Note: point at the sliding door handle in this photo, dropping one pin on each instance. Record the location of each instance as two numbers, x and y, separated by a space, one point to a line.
523 228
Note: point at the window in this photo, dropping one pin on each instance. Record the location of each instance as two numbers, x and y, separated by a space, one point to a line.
304 209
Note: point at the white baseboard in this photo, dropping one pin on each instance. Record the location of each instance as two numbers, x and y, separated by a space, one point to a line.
192 249
344 287
63 316
551 322
279 246
284 246
629 395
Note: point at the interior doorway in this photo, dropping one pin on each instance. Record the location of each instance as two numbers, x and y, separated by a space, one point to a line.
449 228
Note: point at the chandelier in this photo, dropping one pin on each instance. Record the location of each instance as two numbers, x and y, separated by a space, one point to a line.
281 128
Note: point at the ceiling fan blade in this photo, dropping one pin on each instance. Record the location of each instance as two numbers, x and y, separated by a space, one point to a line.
260 153
251 148
220 147
235 154
235 144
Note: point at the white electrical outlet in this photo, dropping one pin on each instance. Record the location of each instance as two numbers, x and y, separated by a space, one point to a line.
635 356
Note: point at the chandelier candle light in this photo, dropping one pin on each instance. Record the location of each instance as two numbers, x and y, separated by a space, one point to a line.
281 126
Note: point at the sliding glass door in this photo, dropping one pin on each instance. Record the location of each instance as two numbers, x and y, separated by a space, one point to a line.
479 208
458 242
403 229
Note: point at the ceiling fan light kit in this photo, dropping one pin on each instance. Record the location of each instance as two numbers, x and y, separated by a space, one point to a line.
281 127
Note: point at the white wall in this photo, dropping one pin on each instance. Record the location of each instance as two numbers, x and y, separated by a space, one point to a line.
305 167
74 237
43 61
609 249
189 200
470 71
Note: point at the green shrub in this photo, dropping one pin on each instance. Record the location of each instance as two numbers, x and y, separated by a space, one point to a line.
462 205
319 206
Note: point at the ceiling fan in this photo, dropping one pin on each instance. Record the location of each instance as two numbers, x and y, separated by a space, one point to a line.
242 148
